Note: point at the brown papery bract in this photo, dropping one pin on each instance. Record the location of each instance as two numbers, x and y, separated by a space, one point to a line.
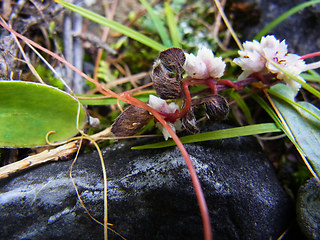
166 88
173 60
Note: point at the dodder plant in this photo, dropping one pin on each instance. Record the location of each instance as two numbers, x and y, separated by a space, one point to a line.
267 62
169 84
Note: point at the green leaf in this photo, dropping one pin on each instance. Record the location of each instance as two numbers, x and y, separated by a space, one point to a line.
172 24
312 76
105 101
283 17
303 121
28 111
242 105
279 93
158 24
113 25
219 134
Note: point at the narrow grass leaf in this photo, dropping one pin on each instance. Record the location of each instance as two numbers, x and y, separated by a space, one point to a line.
218 134
283 17
92 99
113 25
158 24
172 24
243 106
310 77
269 110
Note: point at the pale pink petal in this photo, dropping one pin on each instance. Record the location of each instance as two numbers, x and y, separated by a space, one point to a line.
216 67
195 67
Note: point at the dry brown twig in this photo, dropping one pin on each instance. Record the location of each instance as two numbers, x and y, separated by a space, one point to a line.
45 156
62 152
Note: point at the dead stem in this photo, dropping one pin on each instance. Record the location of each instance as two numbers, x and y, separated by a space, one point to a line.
55 154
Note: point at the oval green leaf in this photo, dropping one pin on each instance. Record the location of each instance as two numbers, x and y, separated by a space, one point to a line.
28 111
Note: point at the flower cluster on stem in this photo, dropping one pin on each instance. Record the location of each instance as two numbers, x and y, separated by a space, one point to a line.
263 57
204 65
164 108
260 61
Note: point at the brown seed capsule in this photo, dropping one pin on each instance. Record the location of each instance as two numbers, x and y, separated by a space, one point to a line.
173 60
165 87
217 107
130 121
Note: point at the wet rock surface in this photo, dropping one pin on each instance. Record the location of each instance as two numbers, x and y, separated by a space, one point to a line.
150 195
308 209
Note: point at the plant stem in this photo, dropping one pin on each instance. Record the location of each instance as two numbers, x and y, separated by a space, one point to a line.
194 177
309 55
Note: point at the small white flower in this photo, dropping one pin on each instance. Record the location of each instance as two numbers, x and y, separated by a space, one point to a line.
294 65
250 59
177 125
195 67
262 58
94 122
274 45
162 106
204 65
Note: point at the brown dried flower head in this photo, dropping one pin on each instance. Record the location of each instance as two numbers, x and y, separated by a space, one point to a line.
217 107
173 60
170 62
130 121
166 88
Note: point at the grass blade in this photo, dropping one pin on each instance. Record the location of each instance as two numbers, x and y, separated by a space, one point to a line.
94 100
283 17
172 24
243 106
158 24
219 134
113 25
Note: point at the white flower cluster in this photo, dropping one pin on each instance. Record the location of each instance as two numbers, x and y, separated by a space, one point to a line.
256 57
263 57
204 65
162 106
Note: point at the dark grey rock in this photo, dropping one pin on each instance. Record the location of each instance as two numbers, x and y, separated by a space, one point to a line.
150 195
299 30
308 209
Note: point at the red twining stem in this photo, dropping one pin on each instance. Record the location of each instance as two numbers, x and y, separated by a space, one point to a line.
172 117
187 103
309 55
194 177
212 84
229 83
